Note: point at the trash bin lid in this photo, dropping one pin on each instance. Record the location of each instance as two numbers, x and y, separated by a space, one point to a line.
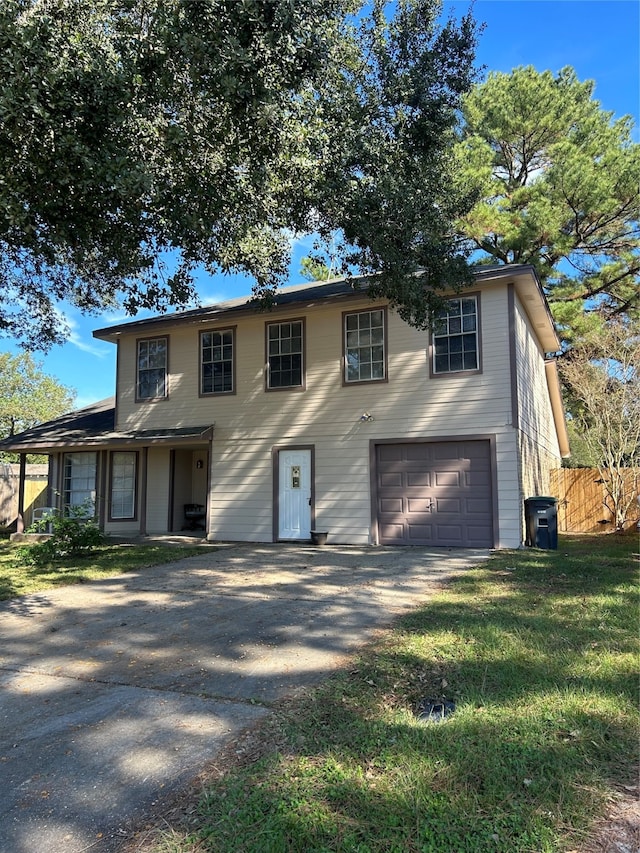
546 498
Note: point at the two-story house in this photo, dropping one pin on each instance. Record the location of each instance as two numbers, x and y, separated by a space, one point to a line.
326 413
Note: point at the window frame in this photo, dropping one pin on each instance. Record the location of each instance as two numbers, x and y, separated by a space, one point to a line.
136 468
303 335
147 340
385 378
220 331
67 460
436 374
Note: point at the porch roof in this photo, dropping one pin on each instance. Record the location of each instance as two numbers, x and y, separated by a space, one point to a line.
94 426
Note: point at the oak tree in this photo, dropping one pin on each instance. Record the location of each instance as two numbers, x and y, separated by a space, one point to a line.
140 141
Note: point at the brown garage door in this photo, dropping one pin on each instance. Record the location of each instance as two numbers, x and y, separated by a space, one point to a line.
435 493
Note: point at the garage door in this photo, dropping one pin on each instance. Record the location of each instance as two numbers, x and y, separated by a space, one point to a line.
435 493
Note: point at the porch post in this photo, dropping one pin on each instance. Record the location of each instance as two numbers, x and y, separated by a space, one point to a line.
51 501
22 475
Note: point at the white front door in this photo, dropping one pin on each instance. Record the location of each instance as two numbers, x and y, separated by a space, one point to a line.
294 494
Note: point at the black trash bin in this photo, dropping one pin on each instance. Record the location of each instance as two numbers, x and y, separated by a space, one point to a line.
541 520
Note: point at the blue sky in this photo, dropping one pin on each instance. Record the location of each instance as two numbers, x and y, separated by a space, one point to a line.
599 38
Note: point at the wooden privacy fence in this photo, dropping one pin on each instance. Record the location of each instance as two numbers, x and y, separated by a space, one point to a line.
35 493
581 500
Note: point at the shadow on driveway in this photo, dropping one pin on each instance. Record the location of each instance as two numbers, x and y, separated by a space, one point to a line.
115 693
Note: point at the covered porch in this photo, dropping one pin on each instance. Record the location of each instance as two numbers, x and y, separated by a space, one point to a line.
132 482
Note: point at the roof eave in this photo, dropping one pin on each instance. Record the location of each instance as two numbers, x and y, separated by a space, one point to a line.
524 275
557 406
107 441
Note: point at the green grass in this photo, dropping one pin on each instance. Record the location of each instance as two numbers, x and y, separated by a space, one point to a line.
106 560
539 651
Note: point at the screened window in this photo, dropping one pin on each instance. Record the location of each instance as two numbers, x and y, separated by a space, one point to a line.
455 336
123 484
80 481
216 354
152 368
364 346
284 355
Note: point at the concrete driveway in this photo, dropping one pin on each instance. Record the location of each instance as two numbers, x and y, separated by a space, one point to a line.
114 694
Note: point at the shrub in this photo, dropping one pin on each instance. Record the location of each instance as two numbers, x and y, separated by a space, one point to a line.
72 535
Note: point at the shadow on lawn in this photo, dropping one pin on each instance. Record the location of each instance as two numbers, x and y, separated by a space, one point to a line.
538 650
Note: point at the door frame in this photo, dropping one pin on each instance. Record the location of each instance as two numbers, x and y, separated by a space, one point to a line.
275 463
174 519
373 474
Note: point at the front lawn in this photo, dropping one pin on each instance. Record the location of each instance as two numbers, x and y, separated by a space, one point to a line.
539 652
17 579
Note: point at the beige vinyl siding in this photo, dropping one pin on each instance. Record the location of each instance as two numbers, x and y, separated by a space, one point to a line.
508 468
410 399
538 442
240 503
534 405
121 527
536 469
250 423
158 468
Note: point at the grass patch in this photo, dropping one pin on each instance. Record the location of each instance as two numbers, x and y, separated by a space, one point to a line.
539 651
105 560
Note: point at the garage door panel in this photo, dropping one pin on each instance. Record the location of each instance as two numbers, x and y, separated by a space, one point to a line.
390 453
435 493
418 506
447 478
476 506
417 533
395 505
445 450
393 534
418 479
477 535
449 505
391 479
417 453
478 479
452 533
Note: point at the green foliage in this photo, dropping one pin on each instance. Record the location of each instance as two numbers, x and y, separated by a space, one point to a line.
389 110
601 375
208 132
107 560
73 535
28 396
314 269
582 454
559 186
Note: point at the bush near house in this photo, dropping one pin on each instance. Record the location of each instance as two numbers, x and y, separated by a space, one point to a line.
73 534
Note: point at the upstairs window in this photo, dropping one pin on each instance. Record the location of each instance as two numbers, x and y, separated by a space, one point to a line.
152 369
365 346
217 362
455 337
285 363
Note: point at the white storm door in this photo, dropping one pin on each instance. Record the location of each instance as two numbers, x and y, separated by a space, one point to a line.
294 494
